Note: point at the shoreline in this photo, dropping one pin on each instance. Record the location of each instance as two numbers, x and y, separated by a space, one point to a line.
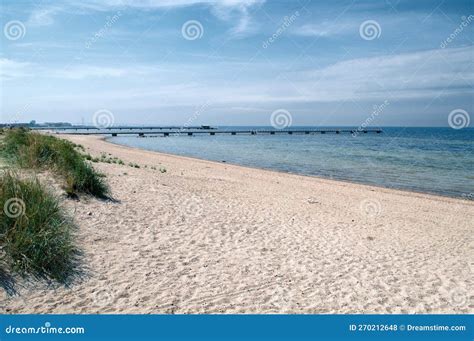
217 238
106 139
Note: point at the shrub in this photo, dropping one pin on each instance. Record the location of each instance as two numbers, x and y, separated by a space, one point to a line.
35 232
13 141
35 150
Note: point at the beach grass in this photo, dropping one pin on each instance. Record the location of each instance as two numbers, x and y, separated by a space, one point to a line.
35 232
33 150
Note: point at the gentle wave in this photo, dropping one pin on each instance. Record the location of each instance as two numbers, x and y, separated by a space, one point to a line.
433 160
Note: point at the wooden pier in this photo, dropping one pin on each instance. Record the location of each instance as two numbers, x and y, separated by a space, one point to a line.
87 128
172 131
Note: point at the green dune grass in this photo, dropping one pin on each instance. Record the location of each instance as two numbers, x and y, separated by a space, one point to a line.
35 232
33 150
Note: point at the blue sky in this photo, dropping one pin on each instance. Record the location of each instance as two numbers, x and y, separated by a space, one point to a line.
65 60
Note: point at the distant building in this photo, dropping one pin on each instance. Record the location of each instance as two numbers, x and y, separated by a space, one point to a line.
57 124
33 124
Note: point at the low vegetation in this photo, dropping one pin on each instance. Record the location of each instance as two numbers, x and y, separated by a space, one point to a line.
35 233
133 165
33 150
109 159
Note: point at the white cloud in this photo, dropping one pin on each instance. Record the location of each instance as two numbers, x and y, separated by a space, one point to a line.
10 69
43 16
324 29
170 3
408 75
226 10
235 11
81 72
414 75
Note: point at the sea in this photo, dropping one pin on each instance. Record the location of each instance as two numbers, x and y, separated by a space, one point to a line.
430 160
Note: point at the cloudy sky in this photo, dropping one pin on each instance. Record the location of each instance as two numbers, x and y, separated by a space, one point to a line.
234 62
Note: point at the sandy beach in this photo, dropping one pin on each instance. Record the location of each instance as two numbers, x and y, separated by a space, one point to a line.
207 237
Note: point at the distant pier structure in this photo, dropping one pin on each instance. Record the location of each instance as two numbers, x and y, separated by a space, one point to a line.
143 131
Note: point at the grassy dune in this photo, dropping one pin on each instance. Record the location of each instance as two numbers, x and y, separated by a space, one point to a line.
36 234
33 150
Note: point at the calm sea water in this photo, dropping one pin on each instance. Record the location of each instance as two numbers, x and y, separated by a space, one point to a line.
434 160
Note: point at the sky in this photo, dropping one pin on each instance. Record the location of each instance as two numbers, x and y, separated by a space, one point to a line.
236 62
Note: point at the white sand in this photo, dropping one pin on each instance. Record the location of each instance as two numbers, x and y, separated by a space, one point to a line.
206 237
